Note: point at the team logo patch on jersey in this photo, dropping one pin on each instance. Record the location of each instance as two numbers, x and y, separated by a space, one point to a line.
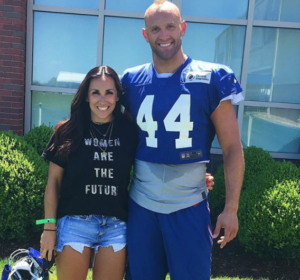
198 77
190 154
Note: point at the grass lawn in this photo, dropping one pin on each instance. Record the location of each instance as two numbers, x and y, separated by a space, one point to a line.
89 277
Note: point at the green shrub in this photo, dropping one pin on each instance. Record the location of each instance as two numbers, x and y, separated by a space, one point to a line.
257 161
217 195
23 175
39 137
270 219
267 212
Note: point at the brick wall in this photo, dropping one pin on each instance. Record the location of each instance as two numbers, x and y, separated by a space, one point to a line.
12 64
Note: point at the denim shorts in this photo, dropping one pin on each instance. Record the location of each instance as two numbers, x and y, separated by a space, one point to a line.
91 231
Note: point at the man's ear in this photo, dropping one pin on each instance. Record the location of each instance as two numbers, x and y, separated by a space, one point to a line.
183 28
145 34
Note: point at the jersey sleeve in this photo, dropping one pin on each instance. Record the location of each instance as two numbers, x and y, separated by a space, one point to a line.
227 85
50 153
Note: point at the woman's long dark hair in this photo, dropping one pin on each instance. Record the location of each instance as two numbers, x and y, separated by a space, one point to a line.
69 133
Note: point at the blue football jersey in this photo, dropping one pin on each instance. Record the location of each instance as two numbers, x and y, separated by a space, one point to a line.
173 114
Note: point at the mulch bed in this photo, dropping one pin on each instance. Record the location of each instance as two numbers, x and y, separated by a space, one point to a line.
233 261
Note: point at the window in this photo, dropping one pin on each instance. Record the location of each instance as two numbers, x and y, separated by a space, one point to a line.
277 10
218 8
64 48
273 129
274 66
128 5
87 4
50 107
222 44
127 47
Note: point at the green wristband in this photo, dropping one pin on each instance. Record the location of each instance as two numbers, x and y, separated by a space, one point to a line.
45 221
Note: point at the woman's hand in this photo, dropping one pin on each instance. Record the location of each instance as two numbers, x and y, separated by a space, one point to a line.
48 240
209 181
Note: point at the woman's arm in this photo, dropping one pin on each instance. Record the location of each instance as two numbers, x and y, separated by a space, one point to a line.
52 192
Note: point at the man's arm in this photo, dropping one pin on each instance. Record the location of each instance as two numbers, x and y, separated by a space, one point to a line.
224 120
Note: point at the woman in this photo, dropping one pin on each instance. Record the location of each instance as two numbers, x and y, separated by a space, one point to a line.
90 156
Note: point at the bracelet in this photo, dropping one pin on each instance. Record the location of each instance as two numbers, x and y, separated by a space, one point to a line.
45 221
45 229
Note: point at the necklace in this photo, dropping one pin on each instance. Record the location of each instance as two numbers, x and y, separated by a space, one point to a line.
93 137
94 126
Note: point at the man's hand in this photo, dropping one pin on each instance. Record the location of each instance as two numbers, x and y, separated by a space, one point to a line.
228 221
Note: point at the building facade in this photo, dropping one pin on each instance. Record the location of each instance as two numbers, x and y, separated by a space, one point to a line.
47 47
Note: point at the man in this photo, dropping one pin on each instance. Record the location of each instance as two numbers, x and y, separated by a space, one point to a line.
179 104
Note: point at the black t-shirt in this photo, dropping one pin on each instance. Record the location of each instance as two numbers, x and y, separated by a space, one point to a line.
92 182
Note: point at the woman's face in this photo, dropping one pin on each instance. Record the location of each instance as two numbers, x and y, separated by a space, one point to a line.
102 97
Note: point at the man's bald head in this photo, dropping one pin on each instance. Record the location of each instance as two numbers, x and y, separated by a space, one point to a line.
164 30
162 6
